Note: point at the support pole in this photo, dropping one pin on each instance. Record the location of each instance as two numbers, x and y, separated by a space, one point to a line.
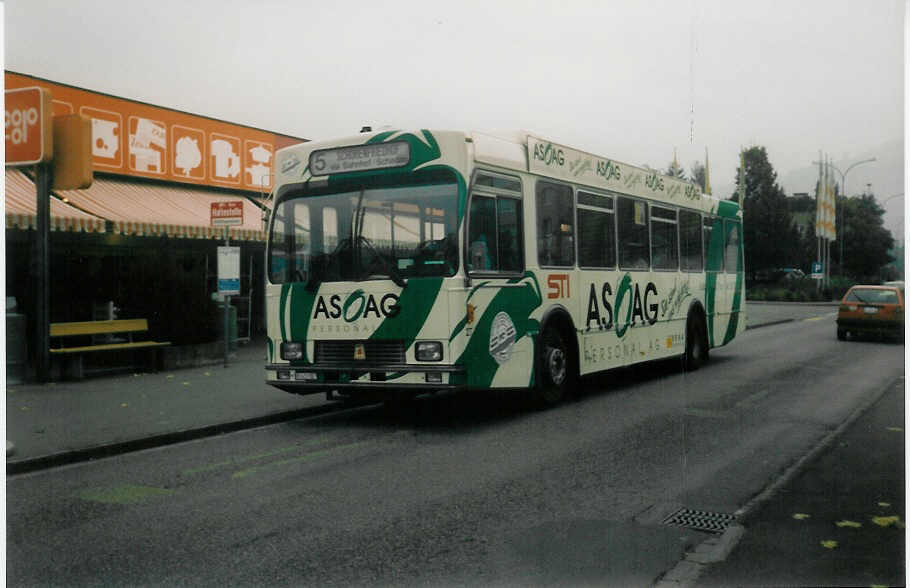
44 176
226 301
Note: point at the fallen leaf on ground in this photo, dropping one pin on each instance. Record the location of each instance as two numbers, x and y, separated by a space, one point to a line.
853 524
887 521
829 544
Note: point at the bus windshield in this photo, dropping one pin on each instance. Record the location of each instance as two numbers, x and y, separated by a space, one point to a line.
385 227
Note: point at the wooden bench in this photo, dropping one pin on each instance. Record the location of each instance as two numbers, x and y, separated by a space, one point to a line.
73 355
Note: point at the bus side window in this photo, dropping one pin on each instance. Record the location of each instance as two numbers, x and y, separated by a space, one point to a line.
495 237
634 247
690 241
482 234
555 225
714 258
732 248
596 231
664 238
508 211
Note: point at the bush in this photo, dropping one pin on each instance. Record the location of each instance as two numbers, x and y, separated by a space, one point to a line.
798 290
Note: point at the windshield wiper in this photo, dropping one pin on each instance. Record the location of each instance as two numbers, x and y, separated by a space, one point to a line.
388 263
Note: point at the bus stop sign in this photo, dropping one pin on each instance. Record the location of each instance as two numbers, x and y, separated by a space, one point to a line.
228 270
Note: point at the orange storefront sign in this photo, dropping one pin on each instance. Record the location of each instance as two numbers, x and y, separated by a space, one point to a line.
136 139
28 130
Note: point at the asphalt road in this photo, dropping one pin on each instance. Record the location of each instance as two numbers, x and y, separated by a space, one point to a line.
459 490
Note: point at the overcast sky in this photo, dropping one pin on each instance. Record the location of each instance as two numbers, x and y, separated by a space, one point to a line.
630 80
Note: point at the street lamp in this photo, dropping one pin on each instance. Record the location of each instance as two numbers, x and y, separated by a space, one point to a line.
843 189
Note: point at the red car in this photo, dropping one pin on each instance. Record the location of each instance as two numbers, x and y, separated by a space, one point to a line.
871 310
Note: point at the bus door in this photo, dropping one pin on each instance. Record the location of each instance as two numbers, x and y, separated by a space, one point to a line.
499 299
733 287
716 299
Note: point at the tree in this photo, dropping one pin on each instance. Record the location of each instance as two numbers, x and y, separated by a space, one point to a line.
697 173
771 239
866 240
674 170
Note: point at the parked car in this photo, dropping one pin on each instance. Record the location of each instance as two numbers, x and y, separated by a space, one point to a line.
871 310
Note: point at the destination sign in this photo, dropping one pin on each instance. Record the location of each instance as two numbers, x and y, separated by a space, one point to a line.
360 157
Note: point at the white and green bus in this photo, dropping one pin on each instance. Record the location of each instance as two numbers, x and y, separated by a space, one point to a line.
408 262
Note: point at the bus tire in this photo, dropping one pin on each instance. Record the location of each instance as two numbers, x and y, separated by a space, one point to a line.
696 343
554 368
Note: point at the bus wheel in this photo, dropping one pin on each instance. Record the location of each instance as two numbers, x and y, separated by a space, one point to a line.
696 343
554 369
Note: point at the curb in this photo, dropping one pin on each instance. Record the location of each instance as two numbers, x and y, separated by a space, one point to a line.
101 451
768 324
713 550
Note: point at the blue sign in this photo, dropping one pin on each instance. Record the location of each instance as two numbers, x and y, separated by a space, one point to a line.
228 271
817 270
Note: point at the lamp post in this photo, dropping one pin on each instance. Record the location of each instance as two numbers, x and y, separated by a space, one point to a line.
843 189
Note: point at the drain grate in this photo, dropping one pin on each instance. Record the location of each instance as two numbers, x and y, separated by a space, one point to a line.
700 520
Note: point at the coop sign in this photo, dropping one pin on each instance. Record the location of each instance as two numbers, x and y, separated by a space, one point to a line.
27 126
359 158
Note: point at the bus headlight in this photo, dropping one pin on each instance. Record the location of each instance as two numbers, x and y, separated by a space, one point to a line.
429 351
291 350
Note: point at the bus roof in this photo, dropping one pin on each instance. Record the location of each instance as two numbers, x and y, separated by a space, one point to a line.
525 151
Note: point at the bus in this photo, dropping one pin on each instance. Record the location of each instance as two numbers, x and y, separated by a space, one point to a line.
404 262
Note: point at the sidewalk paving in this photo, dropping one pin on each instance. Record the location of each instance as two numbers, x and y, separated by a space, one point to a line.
839 521
56 423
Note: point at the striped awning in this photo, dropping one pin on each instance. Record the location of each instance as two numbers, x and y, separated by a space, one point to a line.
145 209
21 207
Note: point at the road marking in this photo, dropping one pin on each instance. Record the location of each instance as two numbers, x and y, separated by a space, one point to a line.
123 494
752 399
238 461
818 318
707 414
300 459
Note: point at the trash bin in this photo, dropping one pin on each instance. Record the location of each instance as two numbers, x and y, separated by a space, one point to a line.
16 344
232 325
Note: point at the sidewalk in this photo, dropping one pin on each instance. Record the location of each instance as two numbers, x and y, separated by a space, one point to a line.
56 423
839 521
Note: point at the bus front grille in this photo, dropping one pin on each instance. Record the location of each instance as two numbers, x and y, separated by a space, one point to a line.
374 352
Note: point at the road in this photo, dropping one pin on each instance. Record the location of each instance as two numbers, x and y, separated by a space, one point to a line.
458 490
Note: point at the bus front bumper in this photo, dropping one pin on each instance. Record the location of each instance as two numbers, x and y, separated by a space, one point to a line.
312 379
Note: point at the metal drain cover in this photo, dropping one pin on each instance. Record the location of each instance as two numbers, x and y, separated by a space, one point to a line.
700 520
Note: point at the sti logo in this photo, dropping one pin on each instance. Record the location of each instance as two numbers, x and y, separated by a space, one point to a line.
559 286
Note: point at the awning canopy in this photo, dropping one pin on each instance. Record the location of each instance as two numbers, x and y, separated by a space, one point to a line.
149 209
133 208
21 204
